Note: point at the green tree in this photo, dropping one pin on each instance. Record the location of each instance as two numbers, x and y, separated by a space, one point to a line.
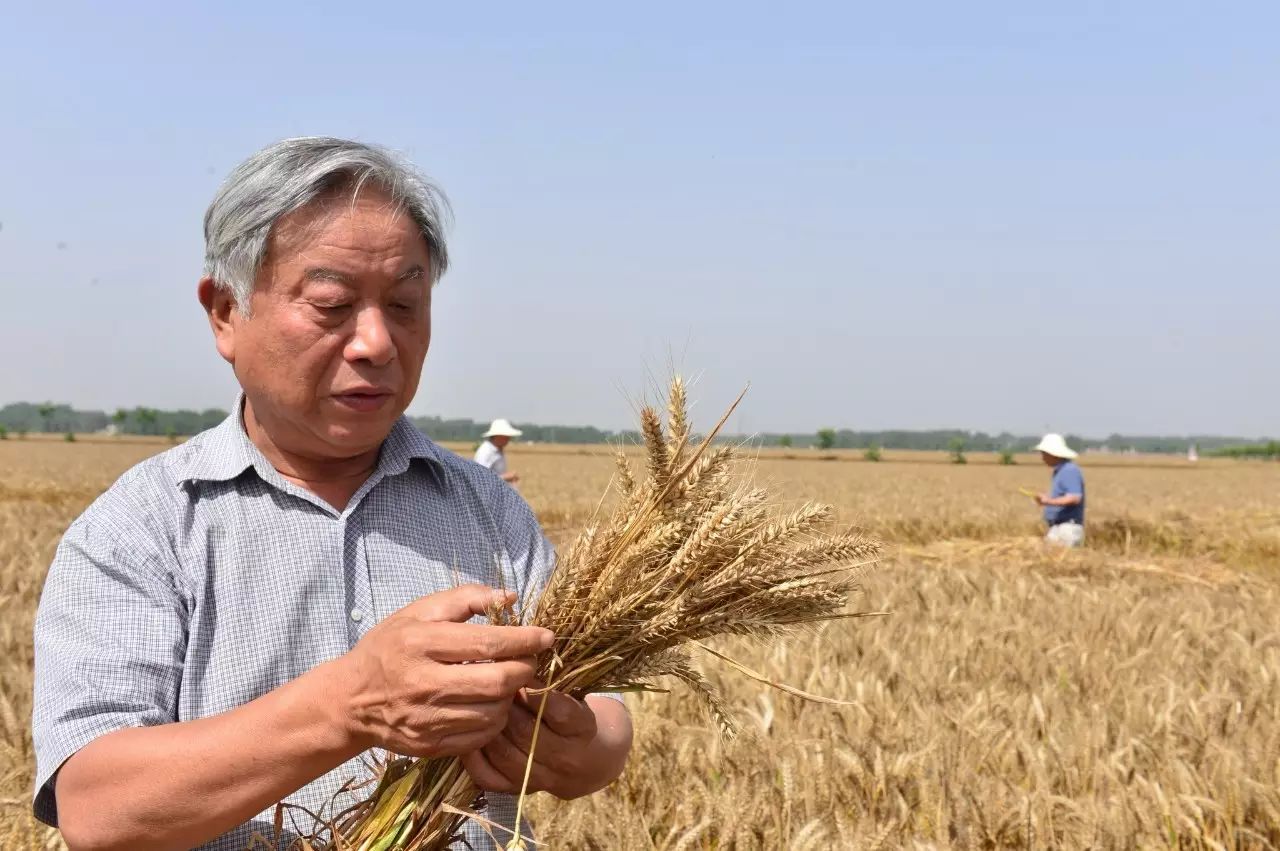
1006 457
119 418
785 440
171 434
826 438
872 453
147 418
956 447
4 433
1270 449
46 413
70 436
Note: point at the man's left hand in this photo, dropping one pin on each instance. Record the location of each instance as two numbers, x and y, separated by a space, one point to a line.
1042 498
582 747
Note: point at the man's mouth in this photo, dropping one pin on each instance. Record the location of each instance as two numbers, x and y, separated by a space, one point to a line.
363 399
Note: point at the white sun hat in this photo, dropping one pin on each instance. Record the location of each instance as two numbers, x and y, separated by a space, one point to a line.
502 428
1054 445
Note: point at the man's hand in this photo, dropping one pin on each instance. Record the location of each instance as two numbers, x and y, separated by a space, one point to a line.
1042 499
407 686
511 478
402 688
582 747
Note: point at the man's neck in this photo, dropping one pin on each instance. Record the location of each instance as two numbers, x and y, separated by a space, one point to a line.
335 480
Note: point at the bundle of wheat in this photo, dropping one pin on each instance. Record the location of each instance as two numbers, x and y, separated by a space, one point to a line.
688 551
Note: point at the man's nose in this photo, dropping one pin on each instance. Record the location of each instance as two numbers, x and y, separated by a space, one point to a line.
372 339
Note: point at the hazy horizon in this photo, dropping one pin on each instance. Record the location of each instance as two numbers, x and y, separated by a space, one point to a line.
729 431
983 217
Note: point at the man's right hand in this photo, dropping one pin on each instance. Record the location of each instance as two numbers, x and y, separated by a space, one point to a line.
405 687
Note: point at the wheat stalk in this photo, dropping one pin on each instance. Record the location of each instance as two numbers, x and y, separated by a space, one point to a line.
689 552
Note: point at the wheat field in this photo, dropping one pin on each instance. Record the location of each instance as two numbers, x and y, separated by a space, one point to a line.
1122 696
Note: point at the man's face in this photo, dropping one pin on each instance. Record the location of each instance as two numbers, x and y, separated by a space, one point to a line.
338 327
1049 459
500 440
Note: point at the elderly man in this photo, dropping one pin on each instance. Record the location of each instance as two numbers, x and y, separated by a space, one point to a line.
1064 503
492 452
239 620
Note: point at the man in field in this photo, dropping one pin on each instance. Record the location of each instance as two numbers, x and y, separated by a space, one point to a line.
240 619
492 453
1064 503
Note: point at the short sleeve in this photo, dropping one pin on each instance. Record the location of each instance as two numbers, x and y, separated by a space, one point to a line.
529 553
1072 481
533 557
487 455
110 637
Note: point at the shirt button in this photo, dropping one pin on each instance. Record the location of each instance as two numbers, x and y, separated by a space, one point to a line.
357 615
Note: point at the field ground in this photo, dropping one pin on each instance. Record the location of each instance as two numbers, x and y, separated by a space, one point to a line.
1120 696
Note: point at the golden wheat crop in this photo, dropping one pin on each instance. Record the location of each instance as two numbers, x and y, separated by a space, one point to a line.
1121 696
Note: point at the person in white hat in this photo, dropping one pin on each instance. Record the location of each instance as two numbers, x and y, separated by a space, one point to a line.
1064 503
490 453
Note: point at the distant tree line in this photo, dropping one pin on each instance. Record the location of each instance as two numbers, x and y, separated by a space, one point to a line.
977 441
1269 450
953 441
24 417
469 430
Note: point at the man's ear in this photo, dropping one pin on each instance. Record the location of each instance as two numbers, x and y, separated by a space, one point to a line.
220 306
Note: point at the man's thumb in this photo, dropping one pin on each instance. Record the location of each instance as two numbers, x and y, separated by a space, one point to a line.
461 603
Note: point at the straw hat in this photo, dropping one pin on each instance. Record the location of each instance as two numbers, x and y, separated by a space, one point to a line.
1054 445
502 428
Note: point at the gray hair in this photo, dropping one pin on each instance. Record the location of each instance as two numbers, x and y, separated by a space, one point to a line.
293 173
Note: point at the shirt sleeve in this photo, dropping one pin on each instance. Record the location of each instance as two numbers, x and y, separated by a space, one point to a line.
487 455
110 637
532 555
1071 481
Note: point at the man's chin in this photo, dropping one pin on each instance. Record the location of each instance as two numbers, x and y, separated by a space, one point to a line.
360 431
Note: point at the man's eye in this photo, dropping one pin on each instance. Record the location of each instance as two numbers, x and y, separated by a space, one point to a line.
332 311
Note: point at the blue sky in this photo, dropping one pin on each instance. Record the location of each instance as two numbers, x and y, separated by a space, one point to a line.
894 215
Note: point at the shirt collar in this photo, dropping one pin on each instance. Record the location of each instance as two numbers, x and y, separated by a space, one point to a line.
226 451
403 445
